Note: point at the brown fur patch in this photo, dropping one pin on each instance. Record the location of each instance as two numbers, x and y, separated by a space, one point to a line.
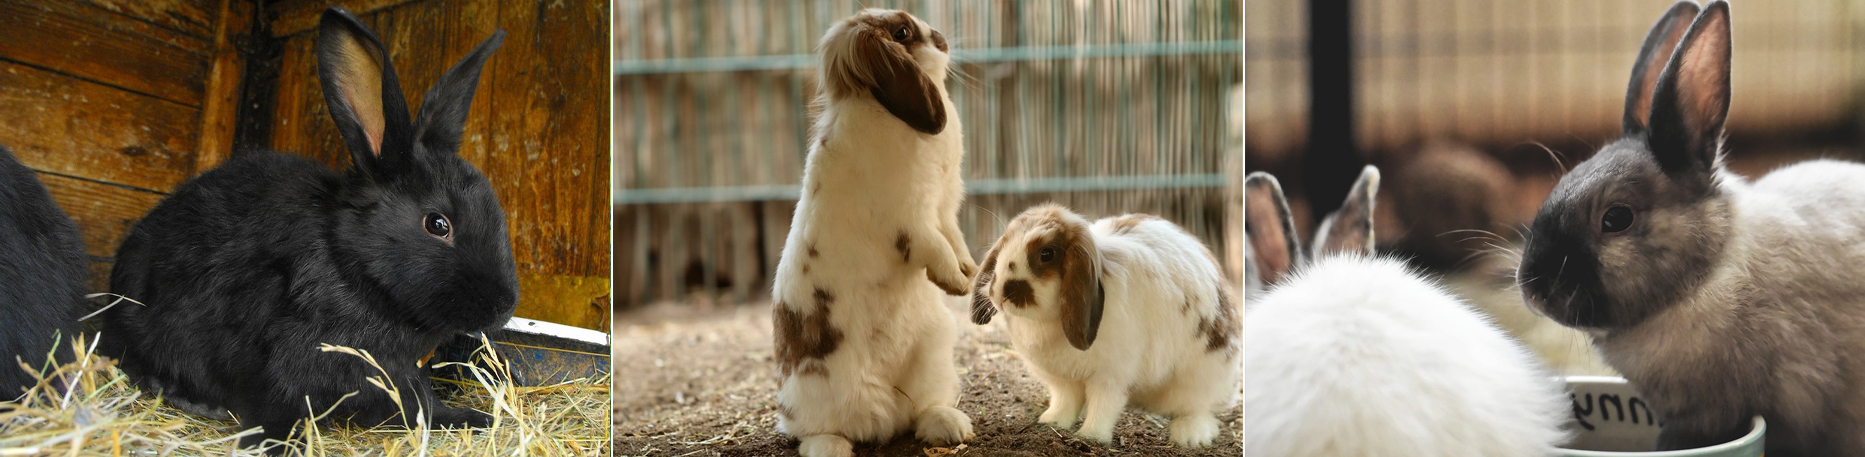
1018 293
1219 330
801 337
903 243
812 251
1126 223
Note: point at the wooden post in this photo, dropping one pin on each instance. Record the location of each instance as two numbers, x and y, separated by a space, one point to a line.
1331 163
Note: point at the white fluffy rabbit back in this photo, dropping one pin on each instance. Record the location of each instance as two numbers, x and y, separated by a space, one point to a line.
1354 355
863 339
1131 309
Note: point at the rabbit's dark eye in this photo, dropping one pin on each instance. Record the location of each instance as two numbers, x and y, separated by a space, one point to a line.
1616 219
438 225
901 34
1046 254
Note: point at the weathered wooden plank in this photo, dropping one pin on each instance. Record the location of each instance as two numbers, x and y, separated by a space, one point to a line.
102 211
290 17
569 300
550 153
222 99
61 124
194 17
104 47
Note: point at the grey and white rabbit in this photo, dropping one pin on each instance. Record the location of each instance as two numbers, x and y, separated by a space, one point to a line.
1350 354
1718 298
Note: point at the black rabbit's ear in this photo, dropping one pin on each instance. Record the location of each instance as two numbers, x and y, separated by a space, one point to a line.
1691 99
1269 228
1660 42
360 88
444 110
1350 229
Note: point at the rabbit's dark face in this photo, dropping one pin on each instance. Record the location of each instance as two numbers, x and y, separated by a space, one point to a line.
1618 239
438 246
1638 228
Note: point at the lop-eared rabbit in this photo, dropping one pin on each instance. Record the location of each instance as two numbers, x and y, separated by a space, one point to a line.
1125 310
863 337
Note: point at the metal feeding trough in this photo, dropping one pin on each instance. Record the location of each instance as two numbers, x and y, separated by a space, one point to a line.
534 353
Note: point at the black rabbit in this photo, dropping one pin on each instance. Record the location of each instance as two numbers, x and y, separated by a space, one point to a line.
41 276
249 267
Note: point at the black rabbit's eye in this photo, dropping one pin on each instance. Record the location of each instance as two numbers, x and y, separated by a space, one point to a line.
1046 254
438 225
900 34
1616 219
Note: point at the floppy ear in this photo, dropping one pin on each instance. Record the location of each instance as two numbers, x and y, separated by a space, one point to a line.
1691 99
981 307
444 109
896 81
1081 292
363 96
1350 229
1270 228
1659 44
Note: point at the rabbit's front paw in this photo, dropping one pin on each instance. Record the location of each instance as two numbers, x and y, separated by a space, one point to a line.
1197 430
950 279
943 425
462 418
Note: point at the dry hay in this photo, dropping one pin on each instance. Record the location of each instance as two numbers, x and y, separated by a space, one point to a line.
102 413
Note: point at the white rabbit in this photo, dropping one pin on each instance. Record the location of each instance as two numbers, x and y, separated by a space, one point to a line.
1354 355
863 339
1150 294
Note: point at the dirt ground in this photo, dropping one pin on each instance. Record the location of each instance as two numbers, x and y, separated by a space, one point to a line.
699 381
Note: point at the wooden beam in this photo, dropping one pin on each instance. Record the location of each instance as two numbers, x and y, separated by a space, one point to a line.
65 125
221 103
107 48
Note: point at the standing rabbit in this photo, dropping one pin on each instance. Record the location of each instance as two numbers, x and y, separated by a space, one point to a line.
1718 298
1151 295
1355 355
246 269
863 338
42 271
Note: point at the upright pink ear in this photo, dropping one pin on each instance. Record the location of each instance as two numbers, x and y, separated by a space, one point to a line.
1691 99
1269 228
895 80
1081 294
1349 230
1660 42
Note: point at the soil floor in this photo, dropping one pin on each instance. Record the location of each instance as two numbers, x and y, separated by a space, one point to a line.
697 380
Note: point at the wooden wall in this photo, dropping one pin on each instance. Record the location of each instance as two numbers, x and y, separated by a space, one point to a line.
116 102
537 127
